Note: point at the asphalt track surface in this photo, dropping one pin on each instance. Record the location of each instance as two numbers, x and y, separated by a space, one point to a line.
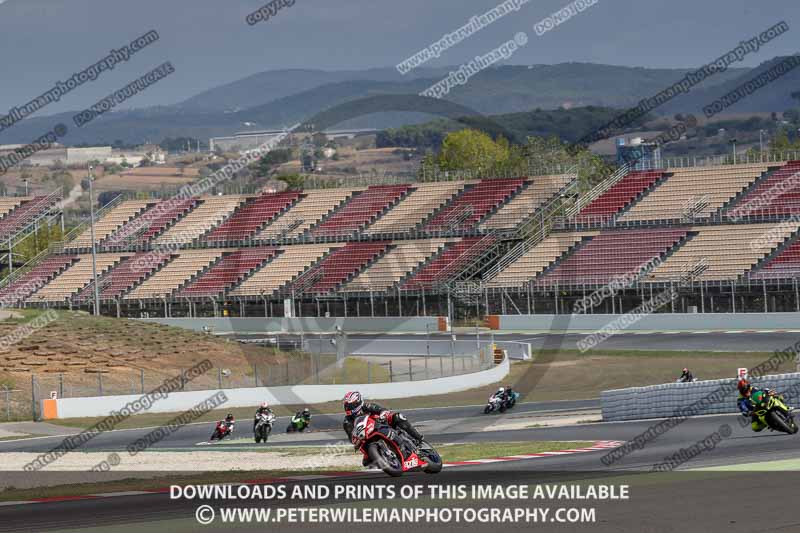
678 501
656 500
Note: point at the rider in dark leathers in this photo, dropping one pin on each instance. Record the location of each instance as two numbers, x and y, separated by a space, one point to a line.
354 406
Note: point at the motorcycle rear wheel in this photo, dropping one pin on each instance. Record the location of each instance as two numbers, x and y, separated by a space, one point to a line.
386 459
777 422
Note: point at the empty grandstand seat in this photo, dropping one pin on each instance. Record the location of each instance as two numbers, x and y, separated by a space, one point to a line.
73 279
694 192
24 215
541 190
128 273
448 263
176 273
113 220
251 217
416 207
291 262
612 253
152 222
727 251
226 273
210 212
784 265
778 194
311 208
477 201
360 210
619 195
401 259
339 266
534 261
36 278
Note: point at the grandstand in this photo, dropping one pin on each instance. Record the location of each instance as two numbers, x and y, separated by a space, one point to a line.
725 235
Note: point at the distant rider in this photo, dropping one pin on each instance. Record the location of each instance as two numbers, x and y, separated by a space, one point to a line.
263 410
686 376
500 395
354 406
510 395
230 422
746 404
305 414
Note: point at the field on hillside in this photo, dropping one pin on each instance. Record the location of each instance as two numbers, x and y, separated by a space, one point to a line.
352 163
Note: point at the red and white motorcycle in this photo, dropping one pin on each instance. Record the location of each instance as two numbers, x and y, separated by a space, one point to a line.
392 450
221 431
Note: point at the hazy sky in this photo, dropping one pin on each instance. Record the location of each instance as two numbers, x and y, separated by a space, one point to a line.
209 43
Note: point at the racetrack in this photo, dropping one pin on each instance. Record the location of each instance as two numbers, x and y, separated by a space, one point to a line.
677 499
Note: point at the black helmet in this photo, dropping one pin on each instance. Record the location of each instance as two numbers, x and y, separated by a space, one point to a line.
229 418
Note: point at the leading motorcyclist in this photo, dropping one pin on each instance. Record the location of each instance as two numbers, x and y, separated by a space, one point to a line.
354 406
264 409
746 405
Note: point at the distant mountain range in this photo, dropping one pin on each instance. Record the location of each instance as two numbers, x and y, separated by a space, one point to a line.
278 98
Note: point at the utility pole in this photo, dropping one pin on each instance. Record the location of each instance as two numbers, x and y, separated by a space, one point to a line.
94 246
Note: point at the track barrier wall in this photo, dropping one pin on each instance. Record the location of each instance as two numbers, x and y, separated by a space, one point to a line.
690 399
288 395
307 324
652 322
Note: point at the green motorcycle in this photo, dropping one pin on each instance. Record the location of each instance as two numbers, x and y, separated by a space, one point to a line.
772 411
298 423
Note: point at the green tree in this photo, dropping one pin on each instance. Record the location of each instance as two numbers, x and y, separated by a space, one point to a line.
474 151
294 182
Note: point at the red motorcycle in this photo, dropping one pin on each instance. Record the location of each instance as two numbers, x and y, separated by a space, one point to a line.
392 450
221 431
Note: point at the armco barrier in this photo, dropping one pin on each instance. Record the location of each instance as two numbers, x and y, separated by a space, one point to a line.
418 347
689 399
289 395
653 322
307 324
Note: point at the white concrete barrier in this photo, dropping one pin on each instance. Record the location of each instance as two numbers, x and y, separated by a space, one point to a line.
287 395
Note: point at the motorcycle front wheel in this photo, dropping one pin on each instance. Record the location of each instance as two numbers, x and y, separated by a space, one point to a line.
778 423
386 459
487 410
431 457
